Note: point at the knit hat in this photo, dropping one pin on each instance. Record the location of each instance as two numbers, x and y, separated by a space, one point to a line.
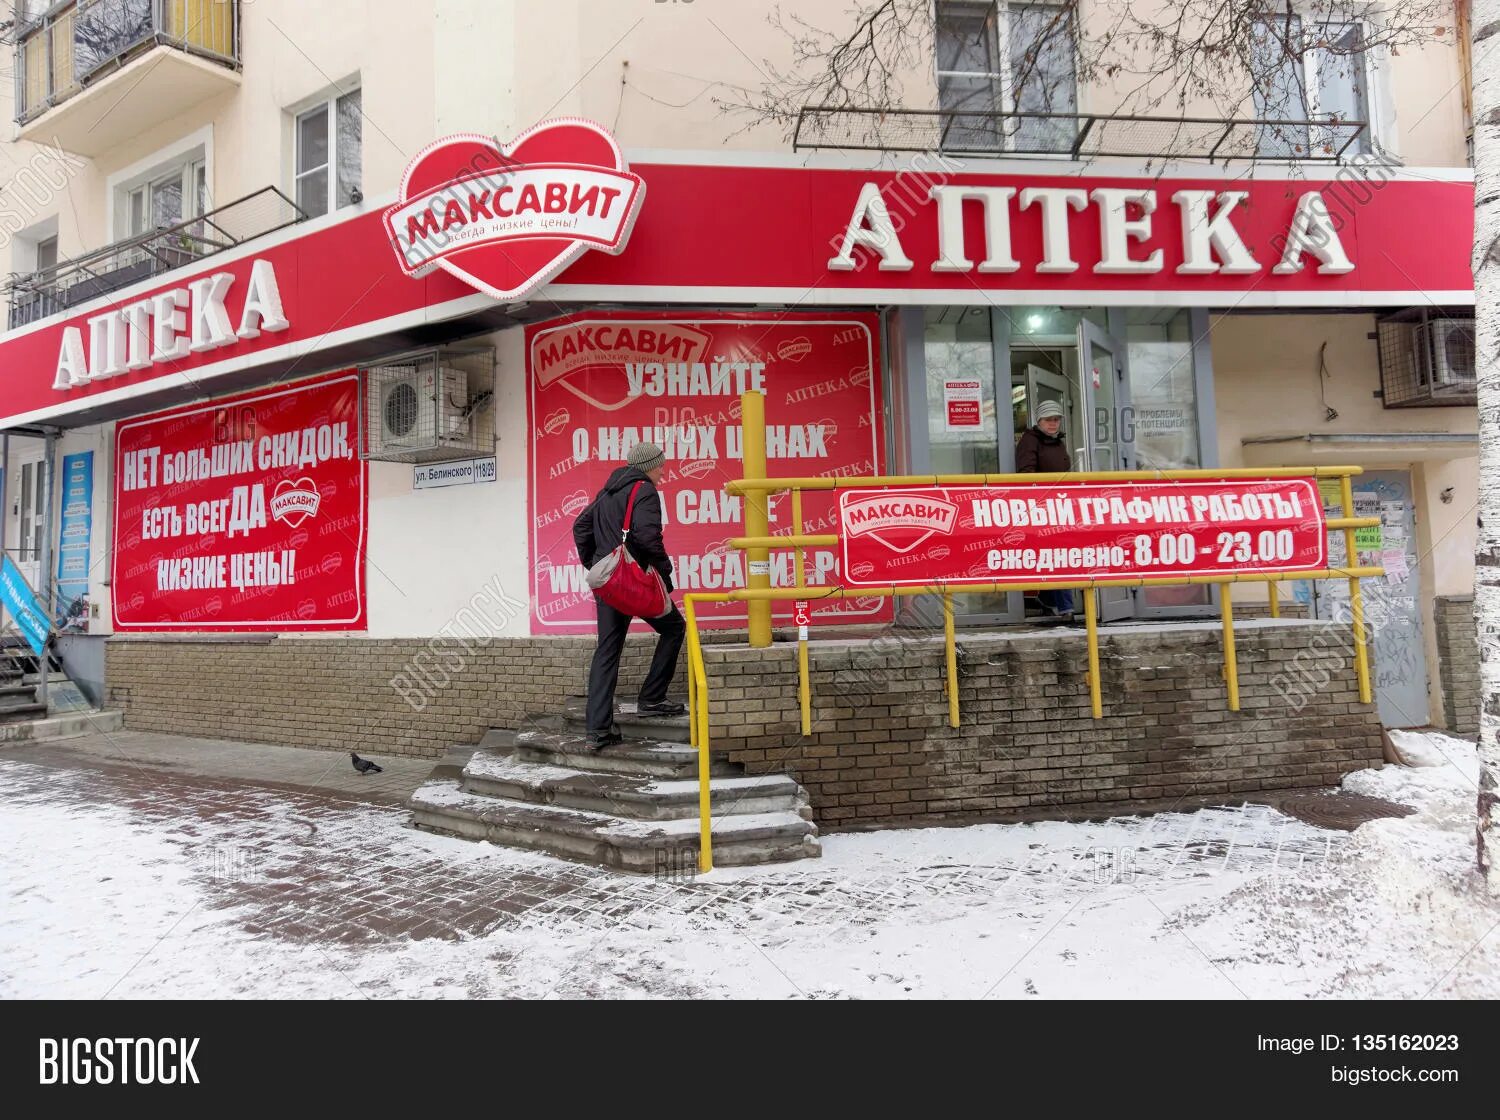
1048 408
646 457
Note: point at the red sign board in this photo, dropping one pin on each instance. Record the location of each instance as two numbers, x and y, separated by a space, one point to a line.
245 513
1051 533
756 234
508 219
600 383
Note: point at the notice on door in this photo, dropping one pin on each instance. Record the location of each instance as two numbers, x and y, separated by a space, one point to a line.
961 405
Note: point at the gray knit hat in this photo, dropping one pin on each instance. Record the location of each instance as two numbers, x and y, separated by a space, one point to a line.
1048 408
646 457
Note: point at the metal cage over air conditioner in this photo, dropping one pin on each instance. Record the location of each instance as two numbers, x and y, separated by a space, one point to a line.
1427 358
428 406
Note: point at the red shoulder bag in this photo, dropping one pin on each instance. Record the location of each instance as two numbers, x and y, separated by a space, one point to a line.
618 580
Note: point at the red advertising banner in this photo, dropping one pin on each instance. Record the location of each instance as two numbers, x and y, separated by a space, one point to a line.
601 382
246 513
1049 533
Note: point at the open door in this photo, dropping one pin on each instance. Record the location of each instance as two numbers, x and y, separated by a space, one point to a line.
1096 443
1047 385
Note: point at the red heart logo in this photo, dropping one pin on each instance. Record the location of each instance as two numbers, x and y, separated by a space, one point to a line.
295 502
506 219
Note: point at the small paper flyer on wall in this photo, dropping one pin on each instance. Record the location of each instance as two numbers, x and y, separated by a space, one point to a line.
962 404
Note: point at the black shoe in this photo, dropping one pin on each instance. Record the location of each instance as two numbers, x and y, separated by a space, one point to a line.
598 740
661 708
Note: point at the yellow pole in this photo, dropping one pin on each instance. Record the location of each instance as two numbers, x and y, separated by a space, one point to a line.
699 720
952 650
1231 666
1356 600
1275 602
1091 622
804 689
692 703
757 519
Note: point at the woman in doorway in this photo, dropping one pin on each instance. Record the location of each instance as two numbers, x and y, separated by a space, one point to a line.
1041 450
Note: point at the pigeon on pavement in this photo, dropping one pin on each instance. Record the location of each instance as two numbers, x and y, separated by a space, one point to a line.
365 766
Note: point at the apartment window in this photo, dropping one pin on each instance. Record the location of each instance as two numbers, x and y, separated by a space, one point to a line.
46 254
165 199
1000 58
1308 70
328 154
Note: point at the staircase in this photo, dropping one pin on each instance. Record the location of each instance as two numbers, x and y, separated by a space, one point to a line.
18 699
632 806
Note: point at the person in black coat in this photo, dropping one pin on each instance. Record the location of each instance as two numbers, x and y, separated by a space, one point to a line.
597 531
1041 450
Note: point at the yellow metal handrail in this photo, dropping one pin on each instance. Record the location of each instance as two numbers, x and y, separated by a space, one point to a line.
759 594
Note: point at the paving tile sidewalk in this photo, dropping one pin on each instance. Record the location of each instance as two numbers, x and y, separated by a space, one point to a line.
294 769
143 865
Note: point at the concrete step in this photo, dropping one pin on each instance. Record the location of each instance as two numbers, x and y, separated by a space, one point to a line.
636 797
627 845
635 756
63 726
672 729
15 710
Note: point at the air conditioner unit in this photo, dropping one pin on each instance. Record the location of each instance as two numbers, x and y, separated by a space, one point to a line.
1445 356
423 407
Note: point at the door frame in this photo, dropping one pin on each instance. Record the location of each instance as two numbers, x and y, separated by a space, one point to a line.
909 415
1114 602
20 459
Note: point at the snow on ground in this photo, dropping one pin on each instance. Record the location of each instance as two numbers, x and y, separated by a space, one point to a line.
151 885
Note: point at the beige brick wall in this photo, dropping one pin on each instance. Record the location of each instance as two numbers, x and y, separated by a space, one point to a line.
881 750
341 693
1458 652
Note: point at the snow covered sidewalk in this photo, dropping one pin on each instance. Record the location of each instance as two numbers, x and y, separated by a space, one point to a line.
137 882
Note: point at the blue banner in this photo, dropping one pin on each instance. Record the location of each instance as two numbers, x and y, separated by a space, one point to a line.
21 604
75 529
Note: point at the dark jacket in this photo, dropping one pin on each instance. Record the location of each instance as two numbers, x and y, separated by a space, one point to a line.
1039 453
596 531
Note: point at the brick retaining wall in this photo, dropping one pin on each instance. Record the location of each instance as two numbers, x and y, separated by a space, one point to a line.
1458 652
881 750
339 694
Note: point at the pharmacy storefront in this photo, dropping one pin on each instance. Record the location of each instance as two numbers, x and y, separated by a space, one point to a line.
312 483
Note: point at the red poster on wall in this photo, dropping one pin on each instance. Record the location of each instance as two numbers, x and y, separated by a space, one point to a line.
601 382
246 513
1051 533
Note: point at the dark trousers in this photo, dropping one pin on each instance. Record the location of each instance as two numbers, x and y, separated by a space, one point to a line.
605 671
1060 601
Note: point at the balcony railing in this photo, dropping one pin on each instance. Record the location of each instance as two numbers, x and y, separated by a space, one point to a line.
71 44
1075 135
35 295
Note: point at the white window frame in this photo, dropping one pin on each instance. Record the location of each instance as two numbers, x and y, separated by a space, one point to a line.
1000 10
182 156
1378 129
186 175
328 105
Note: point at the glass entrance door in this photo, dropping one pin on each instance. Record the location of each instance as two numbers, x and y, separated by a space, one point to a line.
1100 445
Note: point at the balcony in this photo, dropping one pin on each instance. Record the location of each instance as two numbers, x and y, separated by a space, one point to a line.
91 71
963 132
66 285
